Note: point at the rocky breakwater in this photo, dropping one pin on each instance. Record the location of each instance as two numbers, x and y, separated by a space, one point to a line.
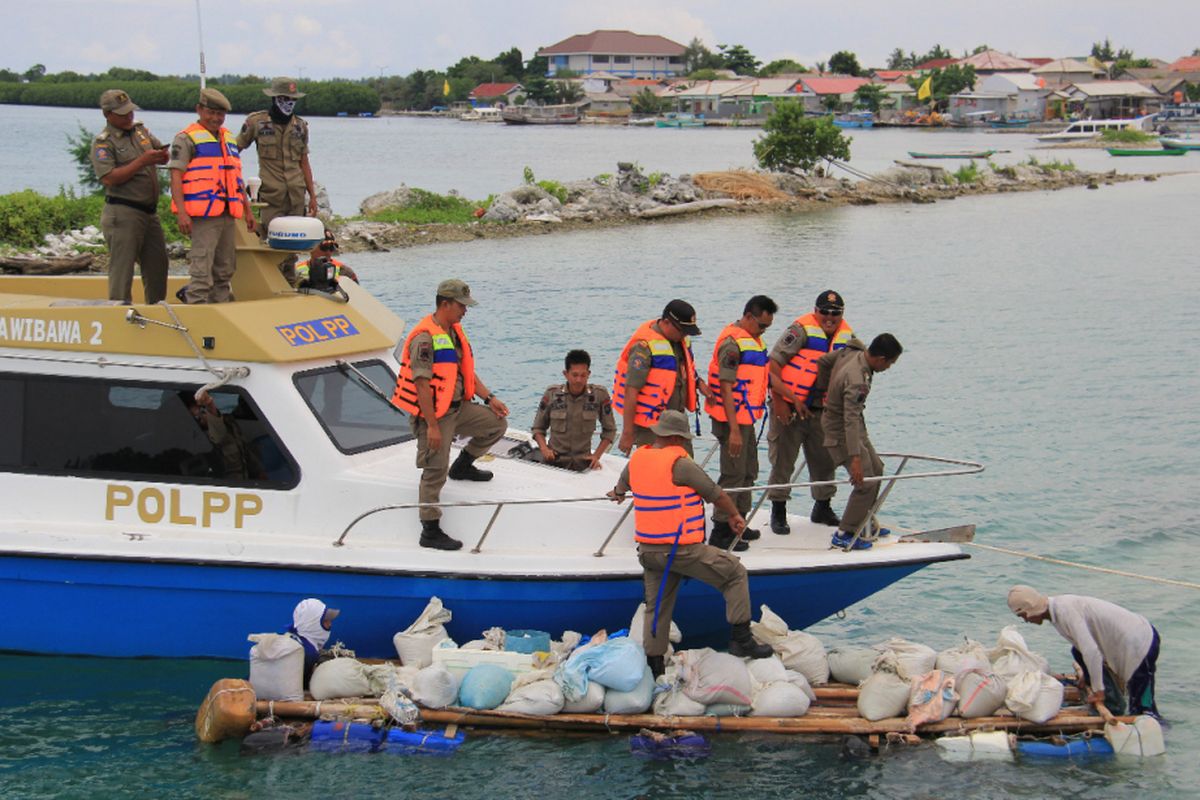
630 196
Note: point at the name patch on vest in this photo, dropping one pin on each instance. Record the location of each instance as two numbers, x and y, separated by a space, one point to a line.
314 331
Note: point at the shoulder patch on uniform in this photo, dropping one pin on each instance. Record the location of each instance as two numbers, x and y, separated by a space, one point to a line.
176 151
425 352
638 362
102 154
789 339
730 360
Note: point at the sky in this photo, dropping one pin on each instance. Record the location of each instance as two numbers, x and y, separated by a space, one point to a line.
313 39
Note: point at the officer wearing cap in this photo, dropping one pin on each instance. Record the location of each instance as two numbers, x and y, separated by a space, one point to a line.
282 141
436 385
797 407
204 156
656 372
669 492
570 412
125 157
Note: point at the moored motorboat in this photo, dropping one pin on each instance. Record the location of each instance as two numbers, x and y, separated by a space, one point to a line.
954 154
1179 142
120 505
1163 151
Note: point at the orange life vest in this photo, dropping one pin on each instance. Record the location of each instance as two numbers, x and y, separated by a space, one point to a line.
660 383
663 511
446 368
801 372
212 182
750 387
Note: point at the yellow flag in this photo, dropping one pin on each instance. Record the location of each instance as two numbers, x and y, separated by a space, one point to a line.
926 88
446 88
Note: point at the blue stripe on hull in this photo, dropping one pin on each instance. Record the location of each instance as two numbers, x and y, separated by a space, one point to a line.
128 608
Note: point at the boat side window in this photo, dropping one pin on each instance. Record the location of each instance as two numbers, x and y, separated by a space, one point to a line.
138 431
354 405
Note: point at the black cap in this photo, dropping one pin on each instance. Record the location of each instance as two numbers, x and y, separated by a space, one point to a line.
682 316
830 299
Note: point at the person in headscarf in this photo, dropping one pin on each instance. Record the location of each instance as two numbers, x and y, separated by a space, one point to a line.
1107 641
312 622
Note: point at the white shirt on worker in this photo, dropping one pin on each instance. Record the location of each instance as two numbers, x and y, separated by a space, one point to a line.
1103 633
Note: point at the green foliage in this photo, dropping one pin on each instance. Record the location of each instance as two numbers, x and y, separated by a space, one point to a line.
429 208
737 58
781 66
968 173
26 216
567 92
655 178
698 57
844 62
793 141
703 75
555 189
1103 51
647 102
1122 64
1007 172
79 147
1056 165
603 178
945 82
870 96
1126 136
527 173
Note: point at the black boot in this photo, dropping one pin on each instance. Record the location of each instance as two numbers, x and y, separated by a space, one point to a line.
722 536
464 469
779 523
657 665
434 537
743 645
750 534
823 514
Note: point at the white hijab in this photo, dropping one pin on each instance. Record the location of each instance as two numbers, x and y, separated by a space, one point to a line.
306 619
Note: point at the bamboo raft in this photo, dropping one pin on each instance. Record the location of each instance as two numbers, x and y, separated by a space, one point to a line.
835 713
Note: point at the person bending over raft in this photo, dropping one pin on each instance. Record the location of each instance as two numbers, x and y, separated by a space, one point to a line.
311 624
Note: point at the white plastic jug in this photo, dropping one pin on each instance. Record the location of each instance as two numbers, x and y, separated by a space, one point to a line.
989 745
1143 738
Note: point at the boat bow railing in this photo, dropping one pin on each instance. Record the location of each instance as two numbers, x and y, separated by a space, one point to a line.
957 467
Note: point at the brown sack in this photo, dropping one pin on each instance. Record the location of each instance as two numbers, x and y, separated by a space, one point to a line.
227 712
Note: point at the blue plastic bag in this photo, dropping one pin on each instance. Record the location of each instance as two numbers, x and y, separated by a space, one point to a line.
616 664
485 686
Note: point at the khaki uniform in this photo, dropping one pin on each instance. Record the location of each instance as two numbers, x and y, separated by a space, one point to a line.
213 257
281 149
463 419
712 565
638 372
846 429
742 470
130 222
571 421
784 441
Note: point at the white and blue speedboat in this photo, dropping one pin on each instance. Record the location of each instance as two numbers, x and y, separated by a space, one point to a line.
136 523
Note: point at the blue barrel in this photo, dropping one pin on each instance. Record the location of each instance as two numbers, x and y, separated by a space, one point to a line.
421 742
345 737
1074 747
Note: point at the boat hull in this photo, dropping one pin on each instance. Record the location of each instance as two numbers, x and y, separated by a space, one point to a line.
136 608
1177 151
1180 144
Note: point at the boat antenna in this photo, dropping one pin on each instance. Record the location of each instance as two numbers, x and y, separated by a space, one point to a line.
200 37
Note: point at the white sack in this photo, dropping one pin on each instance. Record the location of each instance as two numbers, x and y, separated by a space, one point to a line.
766 670
276 667
635 701
968 655
339 677
981 692
710 677
799 651
591 701
675 703
637 628
1012 656
1034 696
415 643
540 698
780 699
851 665
798 680
885 693
435 687
914 659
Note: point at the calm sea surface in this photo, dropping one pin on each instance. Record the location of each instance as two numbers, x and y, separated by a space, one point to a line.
1052 336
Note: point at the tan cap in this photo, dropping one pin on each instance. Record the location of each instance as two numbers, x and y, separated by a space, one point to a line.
116 101
211 98
283 86
454 289
1026 599
672 423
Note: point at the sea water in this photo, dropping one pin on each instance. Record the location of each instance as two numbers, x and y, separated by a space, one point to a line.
1052 336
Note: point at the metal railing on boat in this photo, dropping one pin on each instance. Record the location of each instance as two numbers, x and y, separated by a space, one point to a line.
963 468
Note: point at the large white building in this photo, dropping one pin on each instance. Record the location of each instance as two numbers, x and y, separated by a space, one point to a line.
621 53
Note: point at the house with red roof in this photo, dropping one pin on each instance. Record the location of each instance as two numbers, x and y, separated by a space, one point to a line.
935 63
815 92
487 94
622 53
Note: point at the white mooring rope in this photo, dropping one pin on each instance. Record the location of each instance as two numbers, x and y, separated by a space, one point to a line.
1106 570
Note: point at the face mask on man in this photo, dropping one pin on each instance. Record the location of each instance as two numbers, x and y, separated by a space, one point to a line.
284 106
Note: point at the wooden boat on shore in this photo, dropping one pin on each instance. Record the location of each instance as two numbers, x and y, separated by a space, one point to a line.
1009 123
541 115
1163 151
674 120
855 119
955 154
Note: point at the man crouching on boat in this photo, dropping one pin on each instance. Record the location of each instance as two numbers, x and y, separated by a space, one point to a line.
669 490
436 384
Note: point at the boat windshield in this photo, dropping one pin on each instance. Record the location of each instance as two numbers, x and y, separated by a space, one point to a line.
350 403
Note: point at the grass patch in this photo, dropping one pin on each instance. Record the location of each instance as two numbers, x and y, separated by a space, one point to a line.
555 189
430 208
26 216
1006 172
1126 137
1054 165
967 173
